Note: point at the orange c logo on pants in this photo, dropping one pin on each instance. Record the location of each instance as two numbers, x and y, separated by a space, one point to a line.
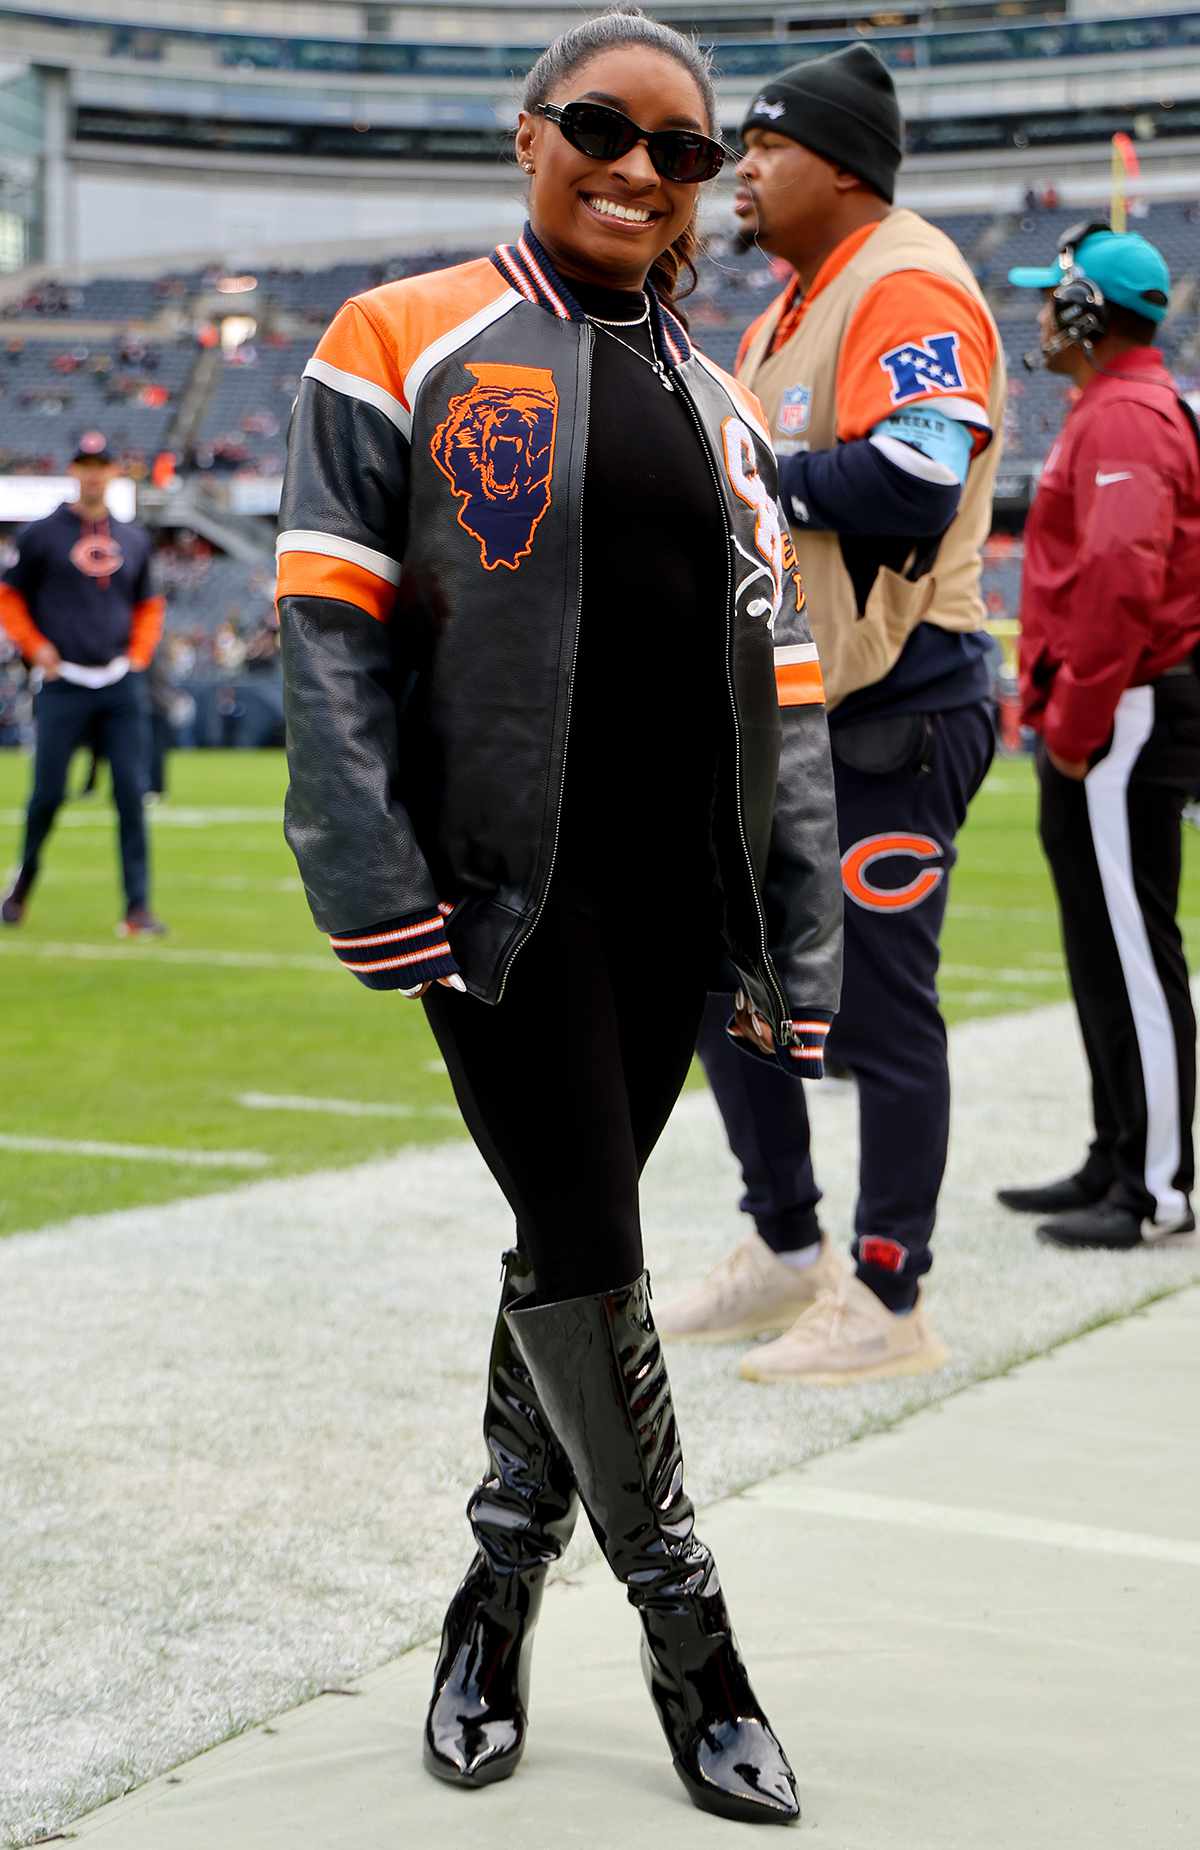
858 861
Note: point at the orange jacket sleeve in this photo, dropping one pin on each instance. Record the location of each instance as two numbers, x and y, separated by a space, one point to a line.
146 627
915 339
19 625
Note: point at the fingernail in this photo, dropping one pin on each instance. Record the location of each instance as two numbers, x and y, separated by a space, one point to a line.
739 1001
456 982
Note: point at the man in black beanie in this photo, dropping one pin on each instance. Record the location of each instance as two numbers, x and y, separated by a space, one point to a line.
882 377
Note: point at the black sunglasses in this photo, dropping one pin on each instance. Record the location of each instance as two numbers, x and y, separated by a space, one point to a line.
604 134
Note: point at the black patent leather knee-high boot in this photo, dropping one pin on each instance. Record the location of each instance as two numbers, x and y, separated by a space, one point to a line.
597 1365
522 1513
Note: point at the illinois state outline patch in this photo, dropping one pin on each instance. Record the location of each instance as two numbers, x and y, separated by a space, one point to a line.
496 450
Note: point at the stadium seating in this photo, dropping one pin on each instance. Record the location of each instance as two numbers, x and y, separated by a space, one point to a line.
50 391
52 386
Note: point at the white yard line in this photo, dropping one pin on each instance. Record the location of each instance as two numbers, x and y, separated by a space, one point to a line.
970 973
217 883
100 816
954 1519
339 1107
169 954
135 1152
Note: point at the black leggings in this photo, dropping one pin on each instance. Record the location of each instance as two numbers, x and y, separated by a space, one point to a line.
566 1085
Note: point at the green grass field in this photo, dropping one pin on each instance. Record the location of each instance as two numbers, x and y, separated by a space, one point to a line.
156 1044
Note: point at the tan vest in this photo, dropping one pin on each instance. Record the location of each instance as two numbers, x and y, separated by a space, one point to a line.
858 651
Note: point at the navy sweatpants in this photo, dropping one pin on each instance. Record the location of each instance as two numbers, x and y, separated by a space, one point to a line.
114 718
897 833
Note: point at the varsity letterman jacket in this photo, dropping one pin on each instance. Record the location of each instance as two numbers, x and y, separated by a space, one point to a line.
429 594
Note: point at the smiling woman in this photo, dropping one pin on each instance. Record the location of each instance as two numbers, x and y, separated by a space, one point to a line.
532 579
597 171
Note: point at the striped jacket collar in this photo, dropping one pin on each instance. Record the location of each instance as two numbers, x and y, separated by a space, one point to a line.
527 269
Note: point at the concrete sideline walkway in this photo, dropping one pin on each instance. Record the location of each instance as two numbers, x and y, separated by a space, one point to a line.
241 1427
975 1631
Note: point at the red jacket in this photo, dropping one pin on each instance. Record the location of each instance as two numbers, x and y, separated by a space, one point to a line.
1110 595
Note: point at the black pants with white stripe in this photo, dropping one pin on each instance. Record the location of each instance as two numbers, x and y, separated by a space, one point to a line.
1114 844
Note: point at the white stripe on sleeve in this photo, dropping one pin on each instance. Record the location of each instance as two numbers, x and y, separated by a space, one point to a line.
351 385
300 539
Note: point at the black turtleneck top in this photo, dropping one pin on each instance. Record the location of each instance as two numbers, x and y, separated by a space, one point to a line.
650 714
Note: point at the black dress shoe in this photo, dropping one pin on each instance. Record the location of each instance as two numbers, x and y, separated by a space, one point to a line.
1110 1226
12 907
1077 1191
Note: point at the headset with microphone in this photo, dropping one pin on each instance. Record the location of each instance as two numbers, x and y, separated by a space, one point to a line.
1080 311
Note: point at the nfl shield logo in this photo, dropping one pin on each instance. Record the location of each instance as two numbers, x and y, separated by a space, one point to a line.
795 408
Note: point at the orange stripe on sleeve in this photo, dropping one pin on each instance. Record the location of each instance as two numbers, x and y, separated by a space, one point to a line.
800 684
146 627
19 624
312 574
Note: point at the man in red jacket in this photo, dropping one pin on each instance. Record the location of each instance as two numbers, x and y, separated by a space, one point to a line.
1110 623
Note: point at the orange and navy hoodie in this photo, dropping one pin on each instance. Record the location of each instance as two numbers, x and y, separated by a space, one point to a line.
430 585
85 586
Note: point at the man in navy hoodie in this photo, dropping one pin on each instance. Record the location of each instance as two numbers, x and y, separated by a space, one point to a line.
80 604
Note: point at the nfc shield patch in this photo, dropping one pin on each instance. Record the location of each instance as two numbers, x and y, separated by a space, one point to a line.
496 449
921 366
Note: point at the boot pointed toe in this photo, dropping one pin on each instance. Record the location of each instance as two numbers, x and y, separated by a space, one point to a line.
739 1771
466 1750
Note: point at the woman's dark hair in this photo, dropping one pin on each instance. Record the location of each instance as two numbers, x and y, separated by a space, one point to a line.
612 31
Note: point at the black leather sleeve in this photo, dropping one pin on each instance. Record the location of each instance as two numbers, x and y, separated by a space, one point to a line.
803 888
346 487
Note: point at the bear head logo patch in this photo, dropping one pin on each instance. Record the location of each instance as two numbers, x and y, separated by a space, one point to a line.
496 450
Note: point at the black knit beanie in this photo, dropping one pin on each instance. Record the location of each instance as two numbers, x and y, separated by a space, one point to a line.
844 108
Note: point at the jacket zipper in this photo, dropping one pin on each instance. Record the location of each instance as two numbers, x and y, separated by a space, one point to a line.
586 339
783 1026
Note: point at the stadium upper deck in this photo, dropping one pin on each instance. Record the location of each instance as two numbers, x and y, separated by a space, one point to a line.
761 45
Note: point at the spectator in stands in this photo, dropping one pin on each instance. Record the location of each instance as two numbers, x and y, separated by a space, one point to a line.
1110 629
428 829
882 376
80 603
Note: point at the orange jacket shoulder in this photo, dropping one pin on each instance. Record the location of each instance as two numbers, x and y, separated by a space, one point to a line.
417 310
378 335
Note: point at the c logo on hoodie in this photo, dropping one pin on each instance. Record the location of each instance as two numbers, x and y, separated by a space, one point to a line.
97 555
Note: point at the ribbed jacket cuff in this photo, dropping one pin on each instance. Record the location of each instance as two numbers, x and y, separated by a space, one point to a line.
400 953
805 1053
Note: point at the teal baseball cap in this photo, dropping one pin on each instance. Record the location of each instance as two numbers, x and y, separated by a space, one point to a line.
1125 267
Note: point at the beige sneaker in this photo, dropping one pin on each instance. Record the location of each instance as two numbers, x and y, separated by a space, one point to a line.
747 1292
848 1335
